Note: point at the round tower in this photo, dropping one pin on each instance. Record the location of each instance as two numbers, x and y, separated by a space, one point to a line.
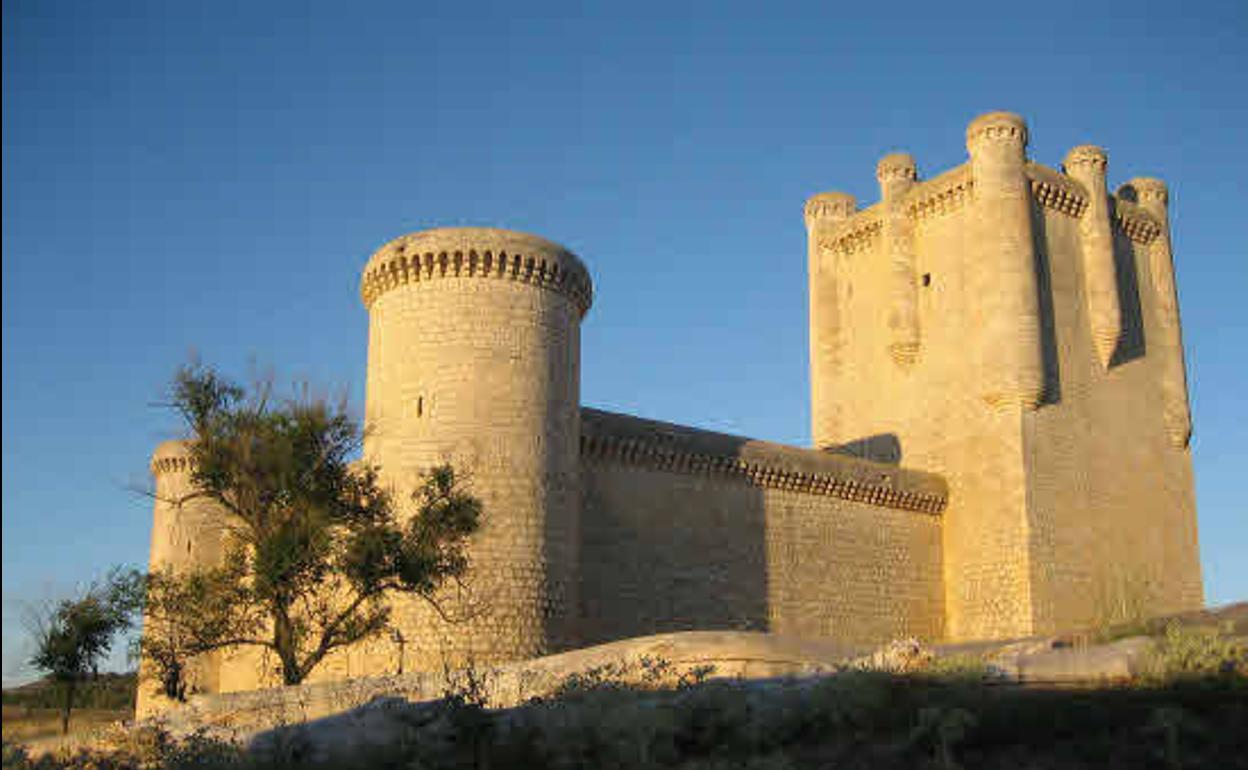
186 535
474 359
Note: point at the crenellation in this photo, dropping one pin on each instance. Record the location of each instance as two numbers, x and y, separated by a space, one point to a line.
832 206
940 196
997 128
545 264
858 234
614 438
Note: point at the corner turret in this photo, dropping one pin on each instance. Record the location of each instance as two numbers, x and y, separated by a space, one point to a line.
896 174
1154 197
1087 165
1010 366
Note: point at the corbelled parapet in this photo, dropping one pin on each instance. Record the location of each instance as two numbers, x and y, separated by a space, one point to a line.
629 440
1153 197
171 457
1011 363
896 174
477 252
1087 165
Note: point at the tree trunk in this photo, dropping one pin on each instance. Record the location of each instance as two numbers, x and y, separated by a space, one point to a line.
284 644
68 706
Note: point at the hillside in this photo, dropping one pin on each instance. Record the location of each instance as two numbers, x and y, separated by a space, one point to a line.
107 691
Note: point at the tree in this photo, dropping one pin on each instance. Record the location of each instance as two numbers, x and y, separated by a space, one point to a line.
313 547
75 634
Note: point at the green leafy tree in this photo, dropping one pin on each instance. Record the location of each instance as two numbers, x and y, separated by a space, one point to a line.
74 635
313 546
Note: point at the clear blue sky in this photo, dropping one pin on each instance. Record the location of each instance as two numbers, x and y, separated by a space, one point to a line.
187 176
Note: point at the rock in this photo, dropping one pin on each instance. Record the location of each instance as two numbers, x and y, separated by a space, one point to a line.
1116 661
902 656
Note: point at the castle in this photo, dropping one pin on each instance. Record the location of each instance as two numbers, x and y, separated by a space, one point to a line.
1000 425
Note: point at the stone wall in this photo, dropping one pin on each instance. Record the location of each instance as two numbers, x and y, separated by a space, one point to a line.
926 411
1110 487
685 529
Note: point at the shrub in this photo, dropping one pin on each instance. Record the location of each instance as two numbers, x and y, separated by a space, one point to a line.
963 668
1193 652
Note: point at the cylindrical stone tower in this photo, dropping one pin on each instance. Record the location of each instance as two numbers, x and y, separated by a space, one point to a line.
1012 367
474 359
1087 164
186 535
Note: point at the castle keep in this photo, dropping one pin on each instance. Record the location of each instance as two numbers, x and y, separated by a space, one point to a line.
1000 425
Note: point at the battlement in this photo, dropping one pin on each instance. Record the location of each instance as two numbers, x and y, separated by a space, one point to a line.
476 252
681 449
171 457
852 229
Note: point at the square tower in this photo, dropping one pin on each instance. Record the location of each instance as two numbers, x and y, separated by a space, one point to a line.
1016 329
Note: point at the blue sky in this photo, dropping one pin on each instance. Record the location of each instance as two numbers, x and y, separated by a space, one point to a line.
211 177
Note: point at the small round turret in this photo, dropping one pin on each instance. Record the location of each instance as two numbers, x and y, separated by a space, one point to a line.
829 206
896 172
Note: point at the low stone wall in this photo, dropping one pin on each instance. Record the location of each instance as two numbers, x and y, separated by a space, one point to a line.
372 703
748 655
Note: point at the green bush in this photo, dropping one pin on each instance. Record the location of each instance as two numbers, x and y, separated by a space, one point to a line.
1195 652
962 667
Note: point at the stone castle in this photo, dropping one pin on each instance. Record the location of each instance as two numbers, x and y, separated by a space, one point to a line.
1000 424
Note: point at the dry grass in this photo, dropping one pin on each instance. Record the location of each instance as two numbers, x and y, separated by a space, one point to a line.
41 726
